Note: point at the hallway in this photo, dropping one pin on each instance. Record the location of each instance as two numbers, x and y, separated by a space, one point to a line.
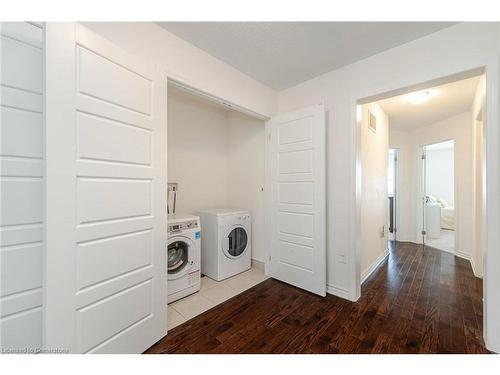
416 302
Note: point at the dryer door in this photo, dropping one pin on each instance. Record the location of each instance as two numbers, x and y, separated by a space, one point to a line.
178 257
235 242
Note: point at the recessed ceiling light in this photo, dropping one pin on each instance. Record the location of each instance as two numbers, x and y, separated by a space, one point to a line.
419 97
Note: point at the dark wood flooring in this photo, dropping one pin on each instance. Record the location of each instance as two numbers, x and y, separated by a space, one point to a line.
416 302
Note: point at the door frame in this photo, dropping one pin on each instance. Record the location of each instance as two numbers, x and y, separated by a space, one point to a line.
491 69
397 187
479 207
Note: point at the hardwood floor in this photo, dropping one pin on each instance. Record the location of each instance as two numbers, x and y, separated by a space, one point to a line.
415 302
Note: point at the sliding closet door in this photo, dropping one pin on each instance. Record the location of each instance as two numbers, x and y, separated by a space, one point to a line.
106 188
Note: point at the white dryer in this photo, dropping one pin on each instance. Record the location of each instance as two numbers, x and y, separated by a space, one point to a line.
225 242
183 256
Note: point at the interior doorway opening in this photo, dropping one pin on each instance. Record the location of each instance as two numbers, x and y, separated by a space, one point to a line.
438 196
409 215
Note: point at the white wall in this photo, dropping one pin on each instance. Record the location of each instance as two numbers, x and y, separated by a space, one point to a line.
217 157
197 152
456 49
21 186
189 64
440 174
374 202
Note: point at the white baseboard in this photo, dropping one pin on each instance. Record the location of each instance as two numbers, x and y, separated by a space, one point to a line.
473 265
337 291
446 251
366 273
461 254
493 346
470 258
403 238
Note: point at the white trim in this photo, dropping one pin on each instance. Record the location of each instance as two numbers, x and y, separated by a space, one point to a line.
474 269
355 212
446 251
461 254
397 192
491 281
338 292
213 98
470 258
366 273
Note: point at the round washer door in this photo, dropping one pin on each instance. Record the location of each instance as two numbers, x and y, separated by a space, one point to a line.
235 242
178 262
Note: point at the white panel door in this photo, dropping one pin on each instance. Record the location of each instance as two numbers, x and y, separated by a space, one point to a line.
106 188
296 203
21 186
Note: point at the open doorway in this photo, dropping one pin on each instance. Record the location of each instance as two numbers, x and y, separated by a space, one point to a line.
421 201
438 195
400 199
214 165
438 167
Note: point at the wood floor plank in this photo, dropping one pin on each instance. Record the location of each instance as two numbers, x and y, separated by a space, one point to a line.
420 300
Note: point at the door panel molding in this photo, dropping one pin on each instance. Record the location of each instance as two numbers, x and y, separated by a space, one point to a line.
296 198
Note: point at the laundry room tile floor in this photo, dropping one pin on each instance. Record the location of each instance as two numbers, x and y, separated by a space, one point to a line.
174 318
211 294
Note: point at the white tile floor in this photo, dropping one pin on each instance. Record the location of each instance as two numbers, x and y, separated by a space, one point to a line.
211 294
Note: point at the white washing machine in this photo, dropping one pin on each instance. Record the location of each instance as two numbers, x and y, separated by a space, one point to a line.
225 242
183 256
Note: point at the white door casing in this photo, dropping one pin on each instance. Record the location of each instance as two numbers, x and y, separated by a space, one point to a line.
296 199
106 196
423 231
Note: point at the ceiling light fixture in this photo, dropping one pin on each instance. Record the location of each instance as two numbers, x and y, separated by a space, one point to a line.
419 97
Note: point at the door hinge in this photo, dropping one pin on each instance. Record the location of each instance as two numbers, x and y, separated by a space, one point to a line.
424 233
423 156
269 257
269 137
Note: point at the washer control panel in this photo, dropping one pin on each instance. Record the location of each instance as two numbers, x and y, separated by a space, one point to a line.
185 225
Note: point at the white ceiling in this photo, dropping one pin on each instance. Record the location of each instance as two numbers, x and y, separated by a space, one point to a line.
449 100
283 54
